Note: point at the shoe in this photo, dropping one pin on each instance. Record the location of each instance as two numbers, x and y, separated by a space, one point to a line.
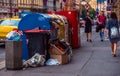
90 40
101 40
114 55
87 40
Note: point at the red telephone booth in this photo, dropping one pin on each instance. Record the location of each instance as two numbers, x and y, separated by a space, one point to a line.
73 19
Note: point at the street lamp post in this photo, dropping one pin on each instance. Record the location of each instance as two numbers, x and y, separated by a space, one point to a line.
10 4
61 5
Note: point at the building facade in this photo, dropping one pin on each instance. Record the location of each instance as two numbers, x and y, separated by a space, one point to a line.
8 8
102 5
53 5
30 5
116 8
92 3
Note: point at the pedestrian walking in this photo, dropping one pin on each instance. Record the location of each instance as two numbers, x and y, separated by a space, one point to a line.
101 19
88 26
113 32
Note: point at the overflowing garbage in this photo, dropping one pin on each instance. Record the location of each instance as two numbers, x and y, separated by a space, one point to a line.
13 35
35 61
49 44
61 51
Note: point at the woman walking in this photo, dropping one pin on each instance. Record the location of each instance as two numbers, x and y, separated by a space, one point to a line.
113 32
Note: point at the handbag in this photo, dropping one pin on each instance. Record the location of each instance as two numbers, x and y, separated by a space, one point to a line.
114 32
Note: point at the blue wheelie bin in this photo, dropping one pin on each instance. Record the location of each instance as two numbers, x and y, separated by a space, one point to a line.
36 39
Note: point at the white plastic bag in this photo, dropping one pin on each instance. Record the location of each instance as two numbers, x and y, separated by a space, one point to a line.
11 35
114 32
52 62
36 60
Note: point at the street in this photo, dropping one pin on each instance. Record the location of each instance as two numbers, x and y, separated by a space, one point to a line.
91 59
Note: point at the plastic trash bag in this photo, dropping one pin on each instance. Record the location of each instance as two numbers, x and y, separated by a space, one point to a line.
35 61
52 62
70 54
13 35
114 32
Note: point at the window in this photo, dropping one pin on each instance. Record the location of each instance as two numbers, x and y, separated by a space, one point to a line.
27 2
19 1
22 2
9 22
38 2
7 2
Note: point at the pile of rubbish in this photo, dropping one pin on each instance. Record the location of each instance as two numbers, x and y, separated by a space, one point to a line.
13 35
60 53
46 40
36 61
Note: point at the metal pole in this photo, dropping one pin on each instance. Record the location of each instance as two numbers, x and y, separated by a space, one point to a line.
97 4
45 6
61 5
80 8
54 5
10 4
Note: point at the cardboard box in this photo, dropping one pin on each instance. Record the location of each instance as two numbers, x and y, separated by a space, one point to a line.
56 51
63 59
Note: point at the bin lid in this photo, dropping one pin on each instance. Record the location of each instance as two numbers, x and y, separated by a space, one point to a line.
37 31
34 20
23 13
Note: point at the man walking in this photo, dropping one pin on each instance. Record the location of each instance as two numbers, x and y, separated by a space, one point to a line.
101 19
88 27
